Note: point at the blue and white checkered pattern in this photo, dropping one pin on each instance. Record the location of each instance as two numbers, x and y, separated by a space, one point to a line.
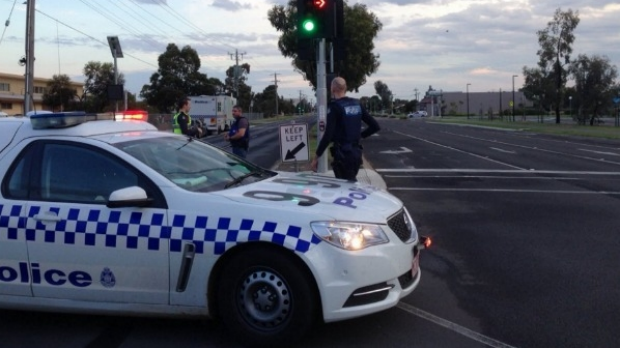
10 222
146 231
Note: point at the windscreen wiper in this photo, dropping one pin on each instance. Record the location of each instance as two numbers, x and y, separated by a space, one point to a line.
189 140
239 179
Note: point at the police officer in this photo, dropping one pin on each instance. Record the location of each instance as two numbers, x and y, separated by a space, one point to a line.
239 133
344 121
182 120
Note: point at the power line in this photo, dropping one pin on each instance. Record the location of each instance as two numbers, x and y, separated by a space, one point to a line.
94 39
8 21
159 20
138 18
183 20
111 18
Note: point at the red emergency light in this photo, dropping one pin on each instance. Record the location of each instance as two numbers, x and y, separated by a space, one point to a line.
132 115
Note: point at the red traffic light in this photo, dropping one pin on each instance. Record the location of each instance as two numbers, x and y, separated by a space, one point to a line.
320 4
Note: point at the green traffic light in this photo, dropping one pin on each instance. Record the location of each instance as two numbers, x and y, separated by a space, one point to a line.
309 25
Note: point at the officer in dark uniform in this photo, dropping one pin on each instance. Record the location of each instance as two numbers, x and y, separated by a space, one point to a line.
181 123
344 121
239 134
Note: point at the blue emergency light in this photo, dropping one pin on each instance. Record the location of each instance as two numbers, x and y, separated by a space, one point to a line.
65 119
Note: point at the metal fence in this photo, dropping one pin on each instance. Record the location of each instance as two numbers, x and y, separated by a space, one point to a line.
164 121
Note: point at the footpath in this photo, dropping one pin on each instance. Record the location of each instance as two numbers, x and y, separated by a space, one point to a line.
366 174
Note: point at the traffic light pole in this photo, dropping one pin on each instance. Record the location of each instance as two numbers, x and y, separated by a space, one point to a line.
321 98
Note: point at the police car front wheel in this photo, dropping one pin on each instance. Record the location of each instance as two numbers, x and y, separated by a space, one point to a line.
265 299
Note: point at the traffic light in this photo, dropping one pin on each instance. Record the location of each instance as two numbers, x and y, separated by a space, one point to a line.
315 19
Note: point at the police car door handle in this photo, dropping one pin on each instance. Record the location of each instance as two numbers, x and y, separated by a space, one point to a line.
47 217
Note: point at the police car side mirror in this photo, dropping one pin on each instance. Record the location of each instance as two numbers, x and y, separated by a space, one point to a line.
133 196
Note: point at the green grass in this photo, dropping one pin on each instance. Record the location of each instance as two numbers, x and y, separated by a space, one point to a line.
606 132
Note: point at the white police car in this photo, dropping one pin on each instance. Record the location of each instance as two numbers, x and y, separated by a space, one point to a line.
116 217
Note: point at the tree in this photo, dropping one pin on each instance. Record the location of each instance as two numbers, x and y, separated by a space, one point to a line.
235 75
554 54
539 86
303 106
383 92
411 106
59 94
286 106
177 77
265 102
360 29
374 104
235 83
594 85
98 77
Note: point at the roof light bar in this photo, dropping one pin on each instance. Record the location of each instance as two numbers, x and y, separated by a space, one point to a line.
64 119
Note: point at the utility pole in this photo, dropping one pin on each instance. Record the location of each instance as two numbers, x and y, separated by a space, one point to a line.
235 57
275 81
299 105
28 99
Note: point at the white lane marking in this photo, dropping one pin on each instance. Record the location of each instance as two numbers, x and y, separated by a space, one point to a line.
571 142
504 191
535 148
459 150
502 150
481 177
402 150
601 152
526 172
478 337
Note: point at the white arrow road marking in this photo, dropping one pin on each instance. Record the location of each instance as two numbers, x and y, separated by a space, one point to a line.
600 152
393 152
502 150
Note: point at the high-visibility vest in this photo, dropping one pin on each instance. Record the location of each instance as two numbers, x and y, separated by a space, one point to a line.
175 124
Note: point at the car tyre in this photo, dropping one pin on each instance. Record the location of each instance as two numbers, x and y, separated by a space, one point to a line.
265 299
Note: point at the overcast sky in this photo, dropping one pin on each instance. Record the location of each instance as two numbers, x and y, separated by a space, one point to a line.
443 43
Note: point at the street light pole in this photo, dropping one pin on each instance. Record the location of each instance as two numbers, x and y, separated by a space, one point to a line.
501 113
570 106
467 88
513 97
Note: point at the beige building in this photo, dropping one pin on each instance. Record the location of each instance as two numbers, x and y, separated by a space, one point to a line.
13 87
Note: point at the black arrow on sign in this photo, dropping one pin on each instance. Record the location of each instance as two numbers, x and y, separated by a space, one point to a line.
290 154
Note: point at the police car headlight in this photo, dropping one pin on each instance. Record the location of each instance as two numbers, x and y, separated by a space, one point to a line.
411 226
348 235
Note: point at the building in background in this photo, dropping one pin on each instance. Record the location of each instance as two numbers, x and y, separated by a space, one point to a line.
481 104
13 87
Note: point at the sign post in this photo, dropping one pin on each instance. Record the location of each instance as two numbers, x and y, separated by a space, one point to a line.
294 143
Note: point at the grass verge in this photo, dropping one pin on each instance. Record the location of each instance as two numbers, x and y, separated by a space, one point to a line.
605 132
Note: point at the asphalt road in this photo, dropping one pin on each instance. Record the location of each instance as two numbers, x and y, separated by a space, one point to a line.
525 230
